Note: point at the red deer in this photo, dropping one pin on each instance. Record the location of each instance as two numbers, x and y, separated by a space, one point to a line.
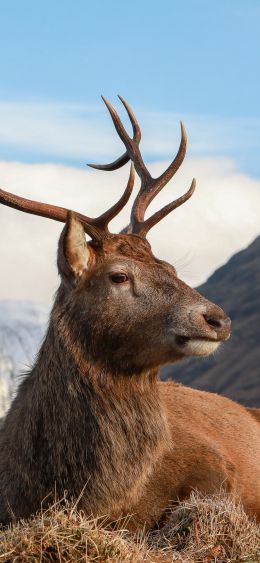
92 418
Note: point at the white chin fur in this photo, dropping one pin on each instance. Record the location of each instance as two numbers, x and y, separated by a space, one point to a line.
199 347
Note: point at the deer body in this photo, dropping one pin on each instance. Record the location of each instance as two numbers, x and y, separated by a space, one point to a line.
215 446
92 418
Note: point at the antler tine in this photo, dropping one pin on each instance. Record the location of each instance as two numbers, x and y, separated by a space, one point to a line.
145 226
96 227
104 219
119 162
166 176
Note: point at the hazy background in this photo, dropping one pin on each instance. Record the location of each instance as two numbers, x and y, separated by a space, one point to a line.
198 61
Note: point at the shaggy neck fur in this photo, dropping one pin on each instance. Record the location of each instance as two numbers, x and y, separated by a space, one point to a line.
77 428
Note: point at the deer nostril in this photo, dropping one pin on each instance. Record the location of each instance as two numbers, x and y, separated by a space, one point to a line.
217 322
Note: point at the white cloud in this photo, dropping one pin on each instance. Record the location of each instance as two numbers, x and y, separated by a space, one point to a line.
84 132
222 217
53 129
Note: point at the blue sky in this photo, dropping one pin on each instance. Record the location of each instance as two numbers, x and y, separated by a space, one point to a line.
197 60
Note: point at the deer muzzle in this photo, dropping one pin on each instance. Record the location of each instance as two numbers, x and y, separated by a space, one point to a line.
207 326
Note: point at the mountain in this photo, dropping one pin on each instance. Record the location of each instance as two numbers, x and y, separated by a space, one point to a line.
234 370
22 326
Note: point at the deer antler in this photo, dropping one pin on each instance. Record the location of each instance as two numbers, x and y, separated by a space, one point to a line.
150 186
97 227
136 138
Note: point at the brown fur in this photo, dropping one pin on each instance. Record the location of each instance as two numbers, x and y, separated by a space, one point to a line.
92 418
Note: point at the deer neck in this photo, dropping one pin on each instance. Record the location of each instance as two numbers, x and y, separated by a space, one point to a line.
106 431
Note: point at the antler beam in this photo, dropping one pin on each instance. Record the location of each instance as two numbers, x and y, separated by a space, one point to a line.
97 227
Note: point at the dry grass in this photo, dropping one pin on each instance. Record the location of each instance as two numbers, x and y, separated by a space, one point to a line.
63 534
210 528
201 529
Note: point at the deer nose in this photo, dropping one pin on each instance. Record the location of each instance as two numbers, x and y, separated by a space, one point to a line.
221 324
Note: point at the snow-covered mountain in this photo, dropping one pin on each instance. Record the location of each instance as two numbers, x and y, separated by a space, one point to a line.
22 326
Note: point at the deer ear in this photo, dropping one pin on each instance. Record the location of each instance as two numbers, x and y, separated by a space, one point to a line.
74 254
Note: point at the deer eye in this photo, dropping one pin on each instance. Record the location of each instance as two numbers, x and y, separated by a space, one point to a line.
119 278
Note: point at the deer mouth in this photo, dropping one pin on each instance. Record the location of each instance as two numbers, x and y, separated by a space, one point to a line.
181 340
196 346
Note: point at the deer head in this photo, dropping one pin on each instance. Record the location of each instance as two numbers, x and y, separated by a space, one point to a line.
118 305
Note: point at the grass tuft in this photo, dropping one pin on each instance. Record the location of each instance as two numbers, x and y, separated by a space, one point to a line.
202 529
210 528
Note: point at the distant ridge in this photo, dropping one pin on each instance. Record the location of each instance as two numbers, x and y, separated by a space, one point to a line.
235 369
